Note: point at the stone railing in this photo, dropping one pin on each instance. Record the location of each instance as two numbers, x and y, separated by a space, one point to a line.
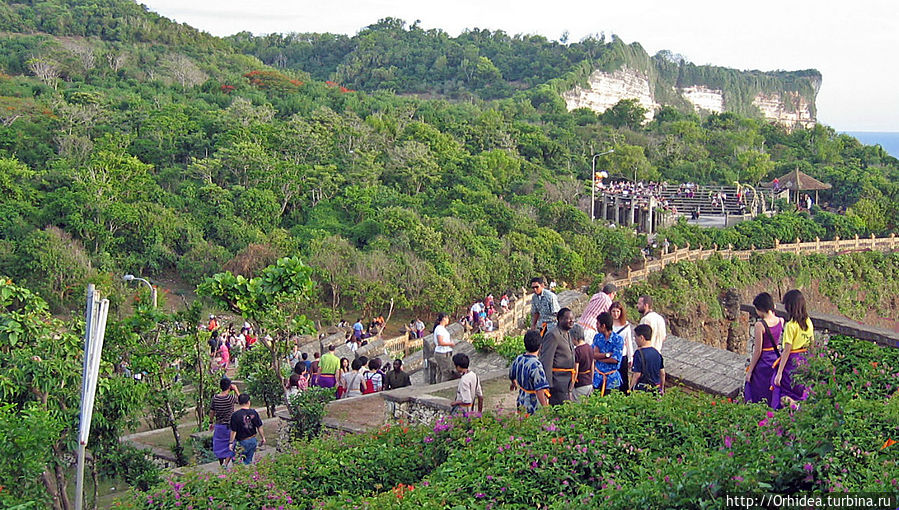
834 247
416 404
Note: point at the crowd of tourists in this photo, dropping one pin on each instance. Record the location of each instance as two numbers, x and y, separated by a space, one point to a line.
568 359
226 344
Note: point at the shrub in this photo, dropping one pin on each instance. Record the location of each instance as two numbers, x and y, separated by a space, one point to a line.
263 383
307 409
509 347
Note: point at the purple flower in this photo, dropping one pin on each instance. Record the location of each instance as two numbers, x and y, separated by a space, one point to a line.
727 441
429 439
808 467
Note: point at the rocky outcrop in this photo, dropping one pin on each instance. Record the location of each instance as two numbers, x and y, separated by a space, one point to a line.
788 111
605 89
704 98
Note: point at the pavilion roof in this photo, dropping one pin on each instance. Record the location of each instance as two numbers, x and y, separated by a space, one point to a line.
800 181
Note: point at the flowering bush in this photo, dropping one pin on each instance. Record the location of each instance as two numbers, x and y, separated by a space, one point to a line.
676 451
273 80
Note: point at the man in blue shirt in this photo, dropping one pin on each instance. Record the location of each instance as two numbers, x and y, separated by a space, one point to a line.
357 329
607 351
528 376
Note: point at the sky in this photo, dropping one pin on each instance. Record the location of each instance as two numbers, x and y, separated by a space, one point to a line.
853 44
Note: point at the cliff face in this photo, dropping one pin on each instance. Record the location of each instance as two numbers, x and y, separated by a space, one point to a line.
606 89
653 90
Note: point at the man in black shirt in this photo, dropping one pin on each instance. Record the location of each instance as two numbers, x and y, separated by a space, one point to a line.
649 366
245 423
396 378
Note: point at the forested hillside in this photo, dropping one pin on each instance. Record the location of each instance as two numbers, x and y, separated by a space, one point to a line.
130 143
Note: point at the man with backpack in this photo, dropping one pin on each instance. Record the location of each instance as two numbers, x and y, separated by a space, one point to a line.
245 424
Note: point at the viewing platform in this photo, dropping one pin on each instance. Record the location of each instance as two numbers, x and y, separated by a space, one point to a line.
656 206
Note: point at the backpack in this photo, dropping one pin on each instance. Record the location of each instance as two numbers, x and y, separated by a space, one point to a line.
369 384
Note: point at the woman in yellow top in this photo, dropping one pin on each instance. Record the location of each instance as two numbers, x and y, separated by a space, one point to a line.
797 337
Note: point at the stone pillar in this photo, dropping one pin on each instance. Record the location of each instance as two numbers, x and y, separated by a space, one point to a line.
427 354
731 304
630 212
604 209
650 227
615 216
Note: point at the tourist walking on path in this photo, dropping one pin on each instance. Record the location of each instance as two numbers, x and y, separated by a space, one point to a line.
583 359
623 328
544 307
557 356
443 349
649 366
607 349
245 424
469 388
797 337
220 411
654 321
764 351
328 367
528 377
599 303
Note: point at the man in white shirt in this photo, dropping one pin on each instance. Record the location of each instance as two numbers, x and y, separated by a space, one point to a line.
653 320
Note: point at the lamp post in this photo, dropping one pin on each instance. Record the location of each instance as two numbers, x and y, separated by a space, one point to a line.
130 277
593 183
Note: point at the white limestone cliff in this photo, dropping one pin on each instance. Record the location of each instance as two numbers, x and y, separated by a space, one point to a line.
774 107
704 98
607 88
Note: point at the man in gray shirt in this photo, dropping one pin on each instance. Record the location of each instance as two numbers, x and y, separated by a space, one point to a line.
544 306
557 356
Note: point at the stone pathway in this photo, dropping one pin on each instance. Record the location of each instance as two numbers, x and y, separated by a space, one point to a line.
709 369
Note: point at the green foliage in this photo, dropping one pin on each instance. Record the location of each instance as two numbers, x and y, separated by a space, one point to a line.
307 409
40 369
131 465
262 380
625 113
509 347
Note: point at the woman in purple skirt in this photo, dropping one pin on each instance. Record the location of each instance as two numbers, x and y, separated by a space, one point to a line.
797 338
765 353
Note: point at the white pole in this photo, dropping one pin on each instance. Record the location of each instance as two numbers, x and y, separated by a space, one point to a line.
94 332
593 183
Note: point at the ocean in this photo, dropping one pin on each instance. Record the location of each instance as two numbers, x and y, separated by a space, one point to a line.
888 140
